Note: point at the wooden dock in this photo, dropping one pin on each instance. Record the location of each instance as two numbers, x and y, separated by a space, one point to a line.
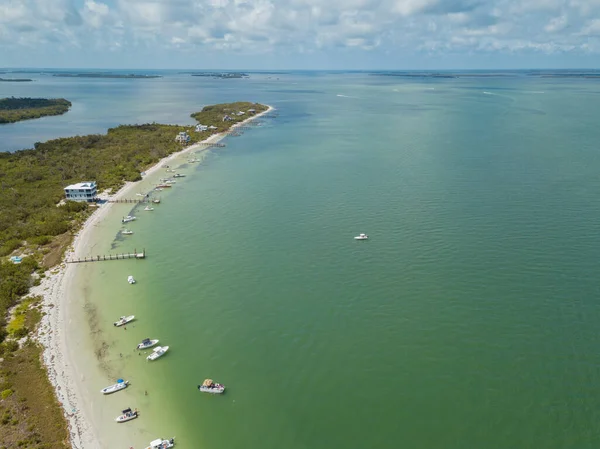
134 255
145 199
211 144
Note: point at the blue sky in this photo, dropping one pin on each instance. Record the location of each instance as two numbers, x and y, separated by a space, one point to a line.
300 34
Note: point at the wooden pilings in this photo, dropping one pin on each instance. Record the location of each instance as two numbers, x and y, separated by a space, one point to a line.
211 144
145 199
102 258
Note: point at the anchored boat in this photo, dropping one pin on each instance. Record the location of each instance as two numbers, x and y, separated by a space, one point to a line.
208 386
124 320
148 208
147 343
161 444
158 352
126 232
130 279
361 237
127 415
127 219
120 385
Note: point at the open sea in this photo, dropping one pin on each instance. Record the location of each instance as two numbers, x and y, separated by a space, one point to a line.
469 319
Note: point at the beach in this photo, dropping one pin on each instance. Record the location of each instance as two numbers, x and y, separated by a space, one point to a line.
64 330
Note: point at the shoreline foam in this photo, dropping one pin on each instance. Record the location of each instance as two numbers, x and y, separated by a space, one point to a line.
56 290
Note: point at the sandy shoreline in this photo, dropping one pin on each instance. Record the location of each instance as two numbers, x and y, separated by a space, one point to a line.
67 374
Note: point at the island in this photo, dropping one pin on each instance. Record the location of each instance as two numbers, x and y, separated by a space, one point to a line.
15 80
37 225
228 75
16 109
105 75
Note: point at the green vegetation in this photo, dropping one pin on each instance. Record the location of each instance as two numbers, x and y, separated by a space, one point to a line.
35 223
17 109
30 416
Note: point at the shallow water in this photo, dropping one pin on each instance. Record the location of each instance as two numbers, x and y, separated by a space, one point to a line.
469 319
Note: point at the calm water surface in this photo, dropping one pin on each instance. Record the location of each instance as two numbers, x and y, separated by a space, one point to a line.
470 317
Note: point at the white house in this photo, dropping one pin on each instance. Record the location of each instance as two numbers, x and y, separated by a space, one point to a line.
240 113
251 111
182 137
200 128
83 191
227 118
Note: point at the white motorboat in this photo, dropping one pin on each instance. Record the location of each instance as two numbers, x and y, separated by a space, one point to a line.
130 279
156 200
158 352
124 320
126 232
148 208
127 219
361 237
120 385
127 415
162 444
140 194
208 386
178 175
147 343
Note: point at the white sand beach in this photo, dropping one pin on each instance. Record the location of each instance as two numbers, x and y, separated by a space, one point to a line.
69 365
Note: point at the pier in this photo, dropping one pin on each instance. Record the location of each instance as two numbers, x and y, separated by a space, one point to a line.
102 258
145 199
211 144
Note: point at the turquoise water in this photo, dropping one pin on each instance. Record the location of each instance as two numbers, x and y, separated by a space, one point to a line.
469 319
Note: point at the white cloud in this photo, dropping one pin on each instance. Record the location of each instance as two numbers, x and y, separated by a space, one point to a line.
299 26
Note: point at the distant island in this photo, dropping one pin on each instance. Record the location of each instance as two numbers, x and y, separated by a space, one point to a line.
230 75
415 75
17 109
15 80
104 75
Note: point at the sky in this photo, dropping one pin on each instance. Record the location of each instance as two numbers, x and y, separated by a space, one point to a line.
300 34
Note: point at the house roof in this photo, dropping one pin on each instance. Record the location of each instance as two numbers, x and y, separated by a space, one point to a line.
82 185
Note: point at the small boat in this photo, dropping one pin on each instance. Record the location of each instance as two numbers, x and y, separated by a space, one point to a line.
140 194
148 208
208 386
162 444
170 181
178 175
124 320
163 186
156 200
127 415
158 352
361 237
147 343
130 279
126 232
120 385
127 219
